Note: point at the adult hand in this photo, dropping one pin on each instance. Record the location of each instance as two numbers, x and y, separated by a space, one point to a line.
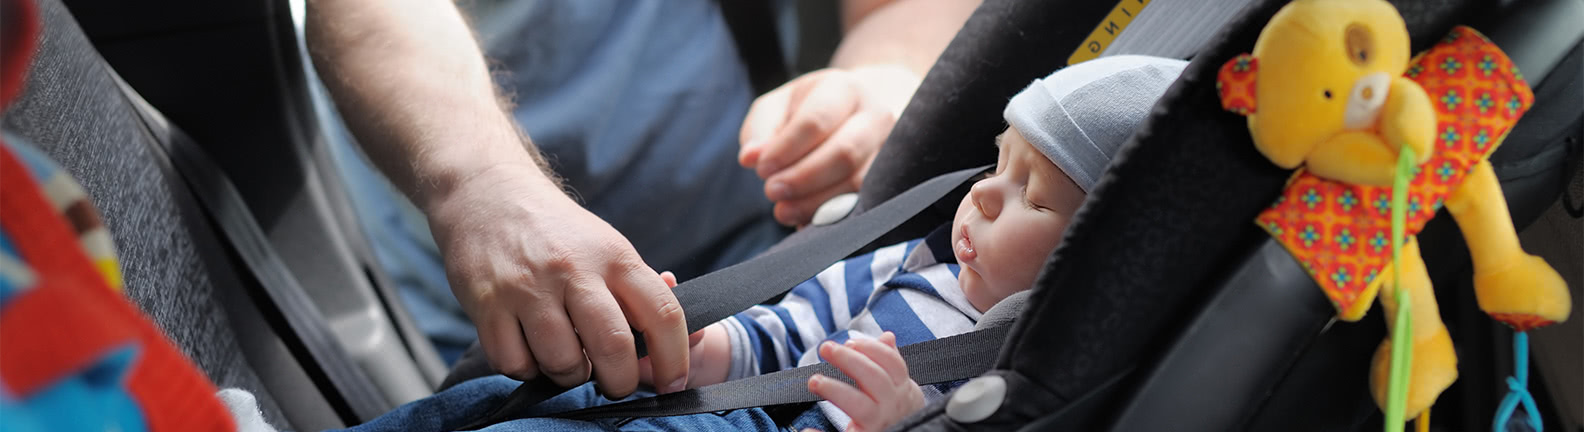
552 288
701 364
814 137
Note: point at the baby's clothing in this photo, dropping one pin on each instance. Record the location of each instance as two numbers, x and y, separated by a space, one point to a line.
909 289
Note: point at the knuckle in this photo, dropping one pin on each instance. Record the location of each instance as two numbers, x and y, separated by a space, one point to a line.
560 261
617 248
611 345
879 118
562 366
669 313
850 157
515 369
582 284
819 121
627 261
617 390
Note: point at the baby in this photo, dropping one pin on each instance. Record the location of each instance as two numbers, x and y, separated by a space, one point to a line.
1064 130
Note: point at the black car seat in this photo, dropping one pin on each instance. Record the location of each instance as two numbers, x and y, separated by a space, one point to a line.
1169 308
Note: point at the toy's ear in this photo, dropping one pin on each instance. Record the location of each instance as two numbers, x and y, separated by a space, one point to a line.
1235 82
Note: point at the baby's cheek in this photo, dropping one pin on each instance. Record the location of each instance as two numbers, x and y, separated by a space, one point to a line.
1027 267
1031 258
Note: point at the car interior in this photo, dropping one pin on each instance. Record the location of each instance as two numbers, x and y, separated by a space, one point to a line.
200 132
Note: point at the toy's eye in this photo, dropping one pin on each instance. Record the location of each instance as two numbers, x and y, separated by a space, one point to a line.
1328 94
1359 43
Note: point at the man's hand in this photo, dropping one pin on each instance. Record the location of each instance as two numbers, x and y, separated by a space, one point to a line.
814 137
552 288
885 393
709 350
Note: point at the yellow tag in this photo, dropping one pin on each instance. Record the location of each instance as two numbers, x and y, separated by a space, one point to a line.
1107 31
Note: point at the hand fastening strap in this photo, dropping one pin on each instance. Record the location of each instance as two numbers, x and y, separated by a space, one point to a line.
722 293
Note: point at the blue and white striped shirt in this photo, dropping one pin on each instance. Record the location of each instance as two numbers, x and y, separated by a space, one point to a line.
909 289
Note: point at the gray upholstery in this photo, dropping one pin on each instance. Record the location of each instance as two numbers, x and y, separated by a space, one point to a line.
1005 312
72 109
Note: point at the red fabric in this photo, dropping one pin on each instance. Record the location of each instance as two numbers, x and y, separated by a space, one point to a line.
18 33
71 314
1235 83
51 331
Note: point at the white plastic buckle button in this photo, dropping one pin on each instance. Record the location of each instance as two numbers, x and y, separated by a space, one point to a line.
977 399
835 209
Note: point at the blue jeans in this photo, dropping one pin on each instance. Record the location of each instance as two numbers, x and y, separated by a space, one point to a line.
459 405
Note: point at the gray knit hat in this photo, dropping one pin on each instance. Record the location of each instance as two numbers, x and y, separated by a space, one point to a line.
1079 115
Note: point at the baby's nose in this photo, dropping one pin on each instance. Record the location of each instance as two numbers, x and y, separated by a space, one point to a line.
986 198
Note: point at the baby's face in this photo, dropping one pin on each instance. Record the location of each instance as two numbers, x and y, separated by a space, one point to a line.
1009 223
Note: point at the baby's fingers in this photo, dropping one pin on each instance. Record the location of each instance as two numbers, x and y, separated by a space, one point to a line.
886 356
857 405
870 376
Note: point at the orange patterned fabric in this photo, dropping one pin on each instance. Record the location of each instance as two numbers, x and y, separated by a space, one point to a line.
1340 232
1235 83
1522 322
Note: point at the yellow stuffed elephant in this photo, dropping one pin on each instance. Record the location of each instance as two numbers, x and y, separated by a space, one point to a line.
1330 88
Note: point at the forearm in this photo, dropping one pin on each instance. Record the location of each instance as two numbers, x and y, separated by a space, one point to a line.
892 44
413 87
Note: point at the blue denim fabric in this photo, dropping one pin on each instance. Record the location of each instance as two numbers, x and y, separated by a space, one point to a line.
637 104
459 405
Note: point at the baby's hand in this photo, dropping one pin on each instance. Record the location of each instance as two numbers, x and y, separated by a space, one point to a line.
887 395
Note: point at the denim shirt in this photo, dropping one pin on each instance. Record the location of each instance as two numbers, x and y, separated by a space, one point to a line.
637 104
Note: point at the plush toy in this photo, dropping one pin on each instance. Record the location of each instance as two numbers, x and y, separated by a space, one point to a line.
1330 89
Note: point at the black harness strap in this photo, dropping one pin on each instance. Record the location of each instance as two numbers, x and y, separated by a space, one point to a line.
721 294
930 362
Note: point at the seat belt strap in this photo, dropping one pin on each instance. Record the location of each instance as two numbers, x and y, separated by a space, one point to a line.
723 293
356 399
942 360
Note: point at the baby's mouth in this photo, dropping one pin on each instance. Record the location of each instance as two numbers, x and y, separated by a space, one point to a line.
964 247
